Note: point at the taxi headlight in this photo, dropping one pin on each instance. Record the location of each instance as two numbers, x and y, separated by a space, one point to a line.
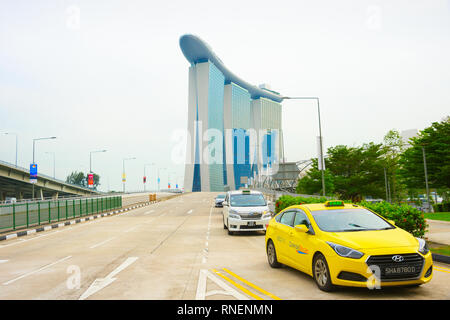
266 215
423 247
233 215
345 251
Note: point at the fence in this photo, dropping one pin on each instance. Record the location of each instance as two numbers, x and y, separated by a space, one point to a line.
18 216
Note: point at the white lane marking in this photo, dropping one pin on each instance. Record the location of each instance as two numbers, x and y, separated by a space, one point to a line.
148 212
101 283
101 243
190 211
201 287
36 271
3 261
206 250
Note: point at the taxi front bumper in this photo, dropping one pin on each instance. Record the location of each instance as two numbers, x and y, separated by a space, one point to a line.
356 272
248 224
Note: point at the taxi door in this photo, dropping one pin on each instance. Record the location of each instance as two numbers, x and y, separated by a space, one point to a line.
284 227
301 244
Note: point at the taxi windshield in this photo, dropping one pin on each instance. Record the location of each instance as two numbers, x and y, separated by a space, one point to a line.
247 200
346 220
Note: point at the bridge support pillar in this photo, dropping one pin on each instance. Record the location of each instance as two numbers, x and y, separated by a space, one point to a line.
41 194
2 196
55 195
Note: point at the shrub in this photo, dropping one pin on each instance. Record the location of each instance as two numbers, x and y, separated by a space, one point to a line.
405 216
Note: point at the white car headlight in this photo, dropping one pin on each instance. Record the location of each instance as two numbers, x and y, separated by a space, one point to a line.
266 215
423 247
345 251
233 215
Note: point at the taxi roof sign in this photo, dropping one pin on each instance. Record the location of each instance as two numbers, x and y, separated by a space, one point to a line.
334 203
245 191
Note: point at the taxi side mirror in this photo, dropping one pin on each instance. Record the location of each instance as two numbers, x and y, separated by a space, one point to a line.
391 222
301 228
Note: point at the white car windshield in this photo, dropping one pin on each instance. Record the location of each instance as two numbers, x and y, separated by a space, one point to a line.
247 200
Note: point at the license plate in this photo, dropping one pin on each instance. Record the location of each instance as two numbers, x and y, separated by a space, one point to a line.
251 223
399 270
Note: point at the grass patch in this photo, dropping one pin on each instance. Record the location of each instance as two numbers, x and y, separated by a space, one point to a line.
443 216
439 248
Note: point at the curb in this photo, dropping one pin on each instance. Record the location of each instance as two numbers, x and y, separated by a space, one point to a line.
67 223
440 258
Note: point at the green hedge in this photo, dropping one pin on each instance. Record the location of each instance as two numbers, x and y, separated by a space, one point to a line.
405 216
442 207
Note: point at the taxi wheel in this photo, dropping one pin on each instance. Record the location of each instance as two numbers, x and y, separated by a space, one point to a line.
272 255
321 273
229 232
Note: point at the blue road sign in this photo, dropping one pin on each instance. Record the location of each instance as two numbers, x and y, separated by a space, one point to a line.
159 180
33 173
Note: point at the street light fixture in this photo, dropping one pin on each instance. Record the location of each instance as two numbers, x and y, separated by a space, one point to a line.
145 165
34 142
124 176
16 142
90 158
321 158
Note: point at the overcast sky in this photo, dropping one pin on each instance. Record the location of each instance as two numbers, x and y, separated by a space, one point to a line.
110 74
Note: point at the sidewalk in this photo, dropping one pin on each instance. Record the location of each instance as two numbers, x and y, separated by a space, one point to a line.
438 231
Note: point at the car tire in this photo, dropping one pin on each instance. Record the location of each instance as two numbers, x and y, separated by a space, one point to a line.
272 255
230 233
321 273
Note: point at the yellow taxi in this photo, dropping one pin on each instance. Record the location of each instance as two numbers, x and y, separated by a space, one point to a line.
342 244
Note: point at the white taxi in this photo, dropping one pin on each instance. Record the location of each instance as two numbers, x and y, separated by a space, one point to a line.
245 210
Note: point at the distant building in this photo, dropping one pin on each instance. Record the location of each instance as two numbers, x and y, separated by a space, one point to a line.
235 127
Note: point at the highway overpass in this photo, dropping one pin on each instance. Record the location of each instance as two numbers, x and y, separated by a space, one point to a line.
15 182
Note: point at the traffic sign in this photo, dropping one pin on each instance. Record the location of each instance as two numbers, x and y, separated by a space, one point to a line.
124 177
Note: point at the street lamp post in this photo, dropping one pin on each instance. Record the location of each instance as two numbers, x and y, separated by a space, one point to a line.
145 165
124 176
321 158
16 142
426 179
90 158
34 142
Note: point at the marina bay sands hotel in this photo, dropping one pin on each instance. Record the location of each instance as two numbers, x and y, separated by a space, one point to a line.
234 127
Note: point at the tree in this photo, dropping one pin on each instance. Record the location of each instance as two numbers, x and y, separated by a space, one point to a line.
352 172
436 142
393 146
80 179
312 182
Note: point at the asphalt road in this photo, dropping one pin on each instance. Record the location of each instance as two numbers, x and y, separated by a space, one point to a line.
175 249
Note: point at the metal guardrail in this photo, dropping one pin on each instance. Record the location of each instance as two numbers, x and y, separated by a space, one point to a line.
23 215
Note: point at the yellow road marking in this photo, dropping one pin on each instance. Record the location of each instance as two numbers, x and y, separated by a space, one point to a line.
252 285
237 285
441 269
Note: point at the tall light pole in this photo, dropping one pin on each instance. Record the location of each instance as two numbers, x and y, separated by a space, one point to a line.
426 178
53 154
321 157
145 165
159 179
124 176
34 142
90 158
16 142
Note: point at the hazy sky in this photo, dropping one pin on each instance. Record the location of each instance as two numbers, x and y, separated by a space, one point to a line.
110 74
